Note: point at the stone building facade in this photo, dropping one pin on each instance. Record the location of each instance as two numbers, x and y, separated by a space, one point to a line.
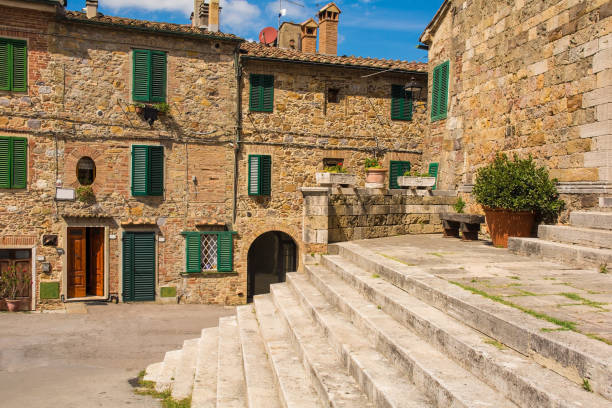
526 77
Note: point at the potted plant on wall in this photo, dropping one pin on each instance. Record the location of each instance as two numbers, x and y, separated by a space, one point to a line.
13 283
375 174
335 175
414 179
513 193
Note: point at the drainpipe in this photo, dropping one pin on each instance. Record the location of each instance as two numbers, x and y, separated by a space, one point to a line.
237 140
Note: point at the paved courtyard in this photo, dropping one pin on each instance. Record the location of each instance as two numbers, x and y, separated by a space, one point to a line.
87 358
578 299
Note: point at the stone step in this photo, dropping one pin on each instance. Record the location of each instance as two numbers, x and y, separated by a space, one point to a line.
436 377
591 219
152 371
570 354
605 202
292 381
205 382
576 255
589 237
231 388
329 375
519 378
166 375
185 370
260 384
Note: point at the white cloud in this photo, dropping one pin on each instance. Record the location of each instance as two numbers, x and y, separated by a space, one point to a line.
295 13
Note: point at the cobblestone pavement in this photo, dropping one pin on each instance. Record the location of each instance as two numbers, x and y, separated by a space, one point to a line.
579 299
87 357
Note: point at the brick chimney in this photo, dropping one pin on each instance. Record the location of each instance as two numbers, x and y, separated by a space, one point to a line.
328 29
200 14
213 15
91 8
309 36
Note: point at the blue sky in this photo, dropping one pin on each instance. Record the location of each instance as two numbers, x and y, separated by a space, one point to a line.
368 28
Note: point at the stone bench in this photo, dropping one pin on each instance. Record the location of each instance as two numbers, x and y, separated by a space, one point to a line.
468 224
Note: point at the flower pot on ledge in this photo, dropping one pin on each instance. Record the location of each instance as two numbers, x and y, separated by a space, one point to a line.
415 182
333 179
375 177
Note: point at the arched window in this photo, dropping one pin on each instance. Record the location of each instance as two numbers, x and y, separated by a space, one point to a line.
86 171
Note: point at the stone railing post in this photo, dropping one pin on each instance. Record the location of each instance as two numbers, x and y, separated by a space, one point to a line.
316 218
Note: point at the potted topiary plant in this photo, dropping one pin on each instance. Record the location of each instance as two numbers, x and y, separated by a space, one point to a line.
513 193
414 179
335 175
13 283
375 174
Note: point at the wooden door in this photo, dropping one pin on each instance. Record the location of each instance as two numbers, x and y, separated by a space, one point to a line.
77 262
95 278
21 260
138 266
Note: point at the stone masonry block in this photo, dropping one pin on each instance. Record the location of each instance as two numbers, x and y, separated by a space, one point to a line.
602 60
602 143
604 112
322 236
598 159
604 78
316 210
596 129
317 222
597 97
538 68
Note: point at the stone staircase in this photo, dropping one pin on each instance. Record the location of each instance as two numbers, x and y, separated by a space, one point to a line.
361 330
587 241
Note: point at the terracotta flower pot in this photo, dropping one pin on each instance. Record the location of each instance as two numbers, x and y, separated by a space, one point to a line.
375 175
12 305
505 223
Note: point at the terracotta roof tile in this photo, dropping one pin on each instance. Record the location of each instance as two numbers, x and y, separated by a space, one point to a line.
144 25
261 51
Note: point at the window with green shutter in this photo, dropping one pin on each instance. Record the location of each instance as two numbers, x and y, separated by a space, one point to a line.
13 65
147 170
260 175
439 93
149 76
401 103
209 251
433 172
397 169
261 93
13 162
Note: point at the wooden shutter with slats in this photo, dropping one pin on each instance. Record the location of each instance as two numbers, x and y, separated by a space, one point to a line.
155 171
267 98
20 66
433 172
401 103
5 162
19 163
265 175
139 170
193 252
158 76
138 266
6 65
141 76
439 94
225 251
253 175
397 169
127 266
261 93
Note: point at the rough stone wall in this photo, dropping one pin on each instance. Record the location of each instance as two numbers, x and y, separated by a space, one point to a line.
526 77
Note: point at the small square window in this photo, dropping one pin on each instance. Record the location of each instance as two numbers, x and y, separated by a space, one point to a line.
328 162
333 95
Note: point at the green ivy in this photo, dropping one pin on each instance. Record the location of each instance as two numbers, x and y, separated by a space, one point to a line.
459 205
518 185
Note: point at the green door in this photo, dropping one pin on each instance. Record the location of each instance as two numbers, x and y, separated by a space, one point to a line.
138 266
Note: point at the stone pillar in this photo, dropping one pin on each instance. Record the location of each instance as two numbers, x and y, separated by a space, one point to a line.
316 218
213 16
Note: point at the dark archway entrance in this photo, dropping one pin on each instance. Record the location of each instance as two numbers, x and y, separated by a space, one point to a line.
270 257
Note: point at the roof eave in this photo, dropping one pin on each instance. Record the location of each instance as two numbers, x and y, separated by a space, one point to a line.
431 28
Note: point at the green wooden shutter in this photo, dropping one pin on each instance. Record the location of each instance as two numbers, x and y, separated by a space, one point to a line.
20 66
265 175
401 103
193 252
433 172
254 91
5 162
6 65
141 76
225 251
435 93
254 166
443 106
397 169
158 76
156 171
144 266
267 93
128 267
19 163
139 170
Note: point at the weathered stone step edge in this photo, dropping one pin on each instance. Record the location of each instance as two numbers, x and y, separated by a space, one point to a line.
444 382
329 376
589 237
566 253
591 219
166 376
566 351
152 371
293 383
385 384
522 380
260 385
182 386
205 380
231 388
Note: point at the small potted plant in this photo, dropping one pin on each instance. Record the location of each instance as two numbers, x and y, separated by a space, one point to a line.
162 108
85 194
335 175
375 174
414 179
513 193
139 108
13 283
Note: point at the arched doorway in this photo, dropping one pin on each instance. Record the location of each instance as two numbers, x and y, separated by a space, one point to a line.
270 257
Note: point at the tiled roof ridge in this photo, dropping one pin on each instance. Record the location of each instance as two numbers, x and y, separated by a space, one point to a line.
262 51
144 25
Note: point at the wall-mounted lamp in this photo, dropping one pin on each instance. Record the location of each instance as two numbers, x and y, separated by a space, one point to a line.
415 88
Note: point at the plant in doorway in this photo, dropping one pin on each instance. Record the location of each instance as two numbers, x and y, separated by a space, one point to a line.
13 283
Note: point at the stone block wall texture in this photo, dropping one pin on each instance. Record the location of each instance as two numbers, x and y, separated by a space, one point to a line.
527 77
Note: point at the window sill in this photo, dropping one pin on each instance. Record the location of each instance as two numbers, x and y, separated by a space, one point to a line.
208 274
